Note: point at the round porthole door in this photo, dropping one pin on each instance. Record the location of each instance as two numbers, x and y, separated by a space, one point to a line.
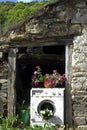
46 109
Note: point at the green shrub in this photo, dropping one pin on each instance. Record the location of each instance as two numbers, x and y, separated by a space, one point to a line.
15 124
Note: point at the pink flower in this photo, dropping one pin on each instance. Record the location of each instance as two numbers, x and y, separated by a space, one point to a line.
54 79
38 68
63 78
53 82
36 84
35 72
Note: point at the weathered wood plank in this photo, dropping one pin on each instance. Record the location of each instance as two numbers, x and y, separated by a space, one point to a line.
50 42
11 82
68 103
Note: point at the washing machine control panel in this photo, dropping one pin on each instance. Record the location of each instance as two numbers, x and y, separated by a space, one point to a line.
47 92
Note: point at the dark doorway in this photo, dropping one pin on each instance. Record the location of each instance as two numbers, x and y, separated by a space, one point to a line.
47 57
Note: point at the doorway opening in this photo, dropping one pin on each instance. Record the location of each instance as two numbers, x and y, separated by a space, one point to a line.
49 58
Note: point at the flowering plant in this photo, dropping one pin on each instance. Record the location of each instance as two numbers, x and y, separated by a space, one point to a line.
46 113
53 79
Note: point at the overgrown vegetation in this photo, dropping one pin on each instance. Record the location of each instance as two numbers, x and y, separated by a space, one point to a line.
16 124
12 13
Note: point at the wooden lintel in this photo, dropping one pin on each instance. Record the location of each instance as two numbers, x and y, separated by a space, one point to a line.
41 43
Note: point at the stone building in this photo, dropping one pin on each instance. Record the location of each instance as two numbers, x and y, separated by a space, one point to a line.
56 37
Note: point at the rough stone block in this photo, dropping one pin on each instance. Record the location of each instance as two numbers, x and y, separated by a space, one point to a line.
80 121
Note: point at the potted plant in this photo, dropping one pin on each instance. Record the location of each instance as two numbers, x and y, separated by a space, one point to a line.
24 112
48 80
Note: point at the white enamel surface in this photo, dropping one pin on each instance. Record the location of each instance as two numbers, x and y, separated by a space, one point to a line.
56 95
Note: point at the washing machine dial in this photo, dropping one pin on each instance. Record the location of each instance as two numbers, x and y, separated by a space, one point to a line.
59 94
53 93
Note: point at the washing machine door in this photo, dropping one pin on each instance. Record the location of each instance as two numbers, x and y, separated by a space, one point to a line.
46 109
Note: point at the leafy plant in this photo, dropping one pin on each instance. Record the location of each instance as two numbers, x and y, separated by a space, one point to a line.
15 124
53 79
8 122
46 113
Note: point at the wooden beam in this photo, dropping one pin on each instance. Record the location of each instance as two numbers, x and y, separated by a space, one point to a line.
11 83
68 100
48 42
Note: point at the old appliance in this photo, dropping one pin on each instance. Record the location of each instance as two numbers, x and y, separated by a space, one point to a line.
47 98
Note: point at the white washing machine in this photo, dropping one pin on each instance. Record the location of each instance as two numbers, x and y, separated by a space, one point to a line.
47 98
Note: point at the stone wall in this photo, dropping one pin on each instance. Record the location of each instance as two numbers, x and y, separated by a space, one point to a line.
79 80
3 86
58 22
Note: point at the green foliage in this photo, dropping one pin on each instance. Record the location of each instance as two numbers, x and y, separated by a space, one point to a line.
36 6
52 1
15 124
12 13
3 13
8 122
